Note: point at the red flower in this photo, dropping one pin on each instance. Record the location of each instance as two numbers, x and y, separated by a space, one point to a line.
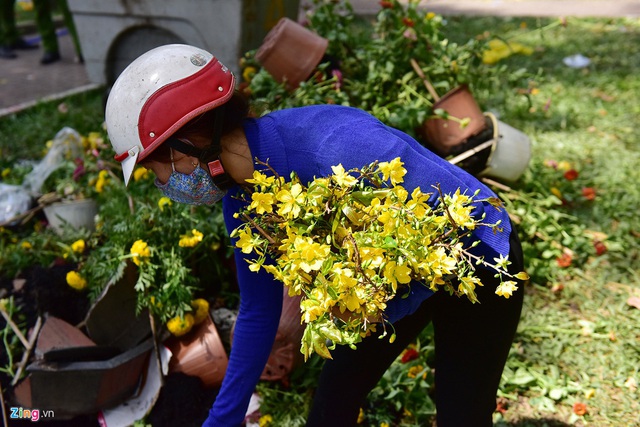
579 408
589 193
409 355
79 170
599 247
408 22
502 405
386 4
571 174
564 260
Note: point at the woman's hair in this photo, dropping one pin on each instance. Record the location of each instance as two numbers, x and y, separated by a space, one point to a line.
236 110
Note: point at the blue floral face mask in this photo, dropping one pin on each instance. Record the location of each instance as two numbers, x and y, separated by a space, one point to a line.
196 188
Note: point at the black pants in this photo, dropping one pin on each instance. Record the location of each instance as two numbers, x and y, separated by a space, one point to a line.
472 342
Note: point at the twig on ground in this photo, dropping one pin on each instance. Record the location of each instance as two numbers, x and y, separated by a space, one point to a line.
27 352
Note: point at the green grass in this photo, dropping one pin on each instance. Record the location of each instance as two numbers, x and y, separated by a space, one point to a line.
579 339
23 135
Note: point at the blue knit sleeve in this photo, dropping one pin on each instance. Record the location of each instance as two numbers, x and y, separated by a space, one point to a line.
254 333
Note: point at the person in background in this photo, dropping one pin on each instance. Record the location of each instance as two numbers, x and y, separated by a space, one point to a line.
175 111
10 39
47 30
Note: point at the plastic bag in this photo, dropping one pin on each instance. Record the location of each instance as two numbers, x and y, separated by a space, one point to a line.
17 199
14 200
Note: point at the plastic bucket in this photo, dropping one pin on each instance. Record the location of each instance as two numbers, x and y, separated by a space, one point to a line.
75 213
510 153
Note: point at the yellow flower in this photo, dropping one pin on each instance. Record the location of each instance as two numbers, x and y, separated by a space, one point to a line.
341 177
290 201
261 179
103 180
262 202
164 201
429 16
140 251
76 281
141 173
564 165
78 246
395 273
201 307
265 420
499 49
393 170
556 192
6 172
179 326
414 371
190 240
246 242
506 289
248 73
26 245
360 416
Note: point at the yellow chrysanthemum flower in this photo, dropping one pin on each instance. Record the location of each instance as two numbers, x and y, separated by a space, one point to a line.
265 420
26 245
76 281
141 173
78 246
140 251
102 181
248 73
164 201
201 309
190 240
179 326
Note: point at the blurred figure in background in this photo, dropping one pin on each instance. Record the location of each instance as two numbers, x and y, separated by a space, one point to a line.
10 39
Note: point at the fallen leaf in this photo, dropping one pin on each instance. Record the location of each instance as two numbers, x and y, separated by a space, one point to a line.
634 301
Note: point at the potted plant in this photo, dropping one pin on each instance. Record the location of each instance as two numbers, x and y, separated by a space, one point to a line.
71 190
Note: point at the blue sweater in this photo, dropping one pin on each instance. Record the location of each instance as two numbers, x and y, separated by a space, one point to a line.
309 140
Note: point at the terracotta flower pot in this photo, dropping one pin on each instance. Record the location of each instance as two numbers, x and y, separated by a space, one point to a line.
443 134
290 52
285 354
200 354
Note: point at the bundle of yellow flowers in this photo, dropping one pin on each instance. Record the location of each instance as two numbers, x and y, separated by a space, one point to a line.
349 242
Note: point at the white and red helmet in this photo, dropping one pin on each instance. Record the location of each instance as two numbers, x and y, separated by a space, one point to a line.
158 93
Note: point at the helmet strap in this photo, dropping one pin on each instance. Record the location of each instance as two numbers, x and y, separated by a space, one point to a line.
210 155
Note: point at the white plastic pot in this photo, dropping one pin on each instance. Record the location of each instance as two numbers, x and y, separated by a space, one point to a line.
75 213
510 153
